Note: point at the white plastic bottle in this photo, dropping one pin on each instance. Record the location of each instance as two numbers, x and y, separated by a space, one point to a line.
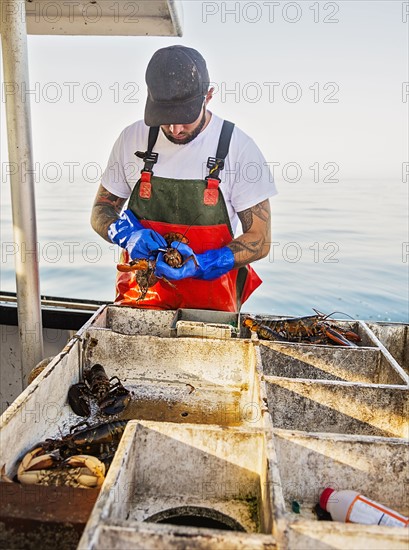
351 507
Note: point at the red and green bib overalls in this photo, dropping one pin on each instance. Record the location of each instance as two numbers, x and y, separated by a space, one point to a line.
195 208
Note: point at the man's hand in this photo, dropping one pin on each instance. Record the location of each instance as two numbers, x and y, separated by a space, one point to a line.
188 269
129 233
209 265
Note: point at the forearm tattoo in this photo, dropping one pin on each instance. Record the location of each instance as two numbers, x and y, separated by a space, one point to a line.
106 210
255 241
106 199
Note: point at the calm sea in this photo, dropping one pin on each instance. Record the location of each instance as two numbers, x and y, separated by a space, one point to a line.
336 247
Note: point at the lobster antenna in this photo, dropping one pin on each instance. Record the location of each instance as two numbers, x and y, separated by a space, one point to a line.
333 313
184 234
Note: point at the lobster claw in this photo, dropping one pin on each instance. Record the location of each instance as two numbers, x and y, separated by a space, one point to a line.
134 265
115 401
78 399
338 338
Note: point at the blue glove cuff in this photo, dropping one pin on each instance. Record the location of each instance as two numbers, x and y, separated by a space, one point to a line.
214 263
121 230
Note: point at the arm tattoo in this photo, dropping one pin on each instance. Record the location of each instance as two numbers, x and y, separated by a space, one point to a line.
255 241
246 252
105 198
246 218
260 210
106 210
250 246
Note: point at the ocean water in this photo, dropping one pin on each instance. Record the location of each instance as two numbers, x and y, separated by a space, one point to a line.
335 247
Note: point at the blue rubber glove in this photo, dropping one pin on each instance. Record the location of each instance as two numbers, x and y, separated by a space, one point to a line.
129 233
210 265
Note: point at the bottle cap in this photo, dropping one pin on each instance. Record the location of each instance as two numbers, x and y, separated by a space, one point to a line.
326 493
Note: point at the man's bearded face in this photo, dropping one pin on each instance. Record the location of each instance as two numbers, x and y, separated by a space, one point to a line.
184 133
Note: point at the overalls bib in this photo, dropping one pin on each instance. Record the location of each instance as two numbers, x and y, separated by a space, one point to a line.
197 210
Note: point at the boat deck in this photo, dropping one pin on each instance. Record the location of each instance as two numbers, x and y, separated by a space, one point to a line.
232 432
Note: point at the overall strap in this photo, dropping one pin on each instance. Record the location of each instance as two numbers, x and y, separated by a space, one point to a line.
152 138
150 158
224 140
215 164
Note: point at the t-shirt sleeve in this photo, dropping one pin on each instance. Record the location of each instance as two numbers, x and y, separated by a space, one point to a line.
253 181
114 177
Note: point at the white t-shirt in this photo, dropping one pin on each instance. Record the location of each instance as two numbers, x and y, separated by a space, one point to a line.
246 179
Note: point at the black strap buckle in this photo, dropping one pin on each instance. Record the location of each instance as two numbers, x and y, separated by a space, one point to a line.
214 165
150 158
213 162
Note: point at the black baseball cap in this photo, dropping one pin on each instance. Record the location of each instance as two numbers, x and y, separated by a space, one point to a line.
178 82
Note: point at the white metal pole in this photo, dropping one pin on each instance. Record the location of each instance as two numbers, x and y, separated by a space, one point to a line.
15 63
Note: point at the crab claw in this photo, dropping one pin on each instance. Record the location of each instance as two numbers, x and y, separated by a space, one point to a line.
34 464
36 460
91 470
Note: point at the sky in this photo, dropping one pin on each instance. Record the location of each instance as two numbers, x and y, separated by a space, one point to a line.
311 82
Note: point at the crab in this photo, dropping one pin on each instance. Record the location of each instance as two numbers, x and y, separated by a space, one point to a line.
83 471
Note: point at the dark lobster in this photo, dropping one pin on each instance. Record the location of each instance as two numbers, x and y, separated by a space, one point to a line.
111 396
100 440
312 329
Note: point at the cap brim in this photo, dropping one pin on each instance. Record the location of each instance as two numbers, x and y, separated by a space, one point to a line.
186 112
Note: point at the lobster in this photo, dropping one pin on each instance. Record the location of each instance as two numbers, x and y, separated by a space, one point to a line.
313 329
171 255
101 439
111 398
145 269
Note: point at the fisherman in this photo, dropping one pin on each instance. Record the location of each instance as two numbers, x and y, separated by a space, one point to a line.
195 176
